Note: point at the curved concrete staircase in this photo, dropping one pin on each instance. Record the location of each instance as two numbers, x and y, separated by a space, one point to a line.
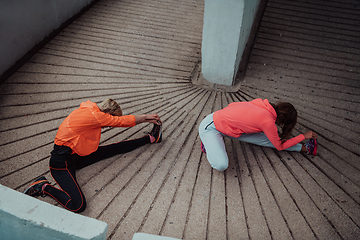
143 55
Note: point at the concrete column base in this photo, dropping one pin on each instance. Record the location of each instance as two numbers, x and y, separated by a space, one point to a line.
198 80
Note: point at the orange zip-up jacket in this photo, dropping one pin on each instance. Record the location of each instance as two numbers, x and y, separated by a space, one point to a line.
252 117
81 130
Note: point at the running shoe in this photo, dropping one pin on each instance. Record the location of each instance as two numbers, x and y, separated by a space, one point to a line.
156 133
35 189
203 148
311 146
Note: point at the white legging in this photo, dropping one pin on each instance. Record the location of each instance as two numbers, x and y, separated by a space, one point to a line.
215 148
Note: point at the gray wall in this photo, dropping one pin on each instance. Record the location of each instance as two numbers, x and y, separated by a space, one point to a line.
25 23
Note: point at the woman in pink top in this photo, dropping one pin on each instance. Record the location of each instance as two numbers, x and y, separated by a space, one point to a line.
252 122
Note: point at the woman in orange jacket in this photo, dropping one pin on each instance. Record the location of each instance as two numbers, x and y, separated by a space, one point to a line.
76 146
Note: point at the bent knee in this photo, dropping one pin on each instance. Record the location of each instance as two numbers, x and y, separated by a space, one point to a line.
76 207
80 209
220 167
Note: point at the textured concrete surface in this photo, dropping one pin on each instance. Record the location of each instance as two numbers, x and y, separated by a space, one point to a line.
146 236
142 54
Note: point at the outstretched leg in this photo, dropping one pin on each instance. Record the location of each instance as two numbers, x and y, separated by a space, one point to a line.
262 140
110 150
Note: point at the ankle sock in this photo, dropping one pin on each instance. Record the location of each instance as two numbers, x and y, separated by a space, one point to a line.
44 186
152 139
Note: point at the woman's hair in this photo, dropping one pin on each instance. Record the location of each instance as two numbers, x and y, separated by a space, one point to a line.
286 118
111 107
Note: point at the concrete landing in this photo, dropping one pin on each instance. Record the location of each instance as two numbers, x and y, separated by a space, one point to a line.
142 54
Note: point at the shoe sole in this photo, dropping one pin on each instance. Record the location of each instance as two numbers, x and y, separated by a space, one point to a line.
33 194
159 137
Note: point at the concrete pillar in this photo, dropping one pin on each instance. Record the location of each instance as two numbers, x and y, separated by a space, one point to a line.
227 27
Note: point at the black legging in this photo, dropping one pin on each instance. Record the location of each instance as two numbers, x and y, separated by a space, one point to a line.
63 166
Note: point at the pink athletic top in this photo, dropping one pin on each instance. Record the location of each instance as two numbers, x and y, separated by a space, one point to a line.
252 117
81 130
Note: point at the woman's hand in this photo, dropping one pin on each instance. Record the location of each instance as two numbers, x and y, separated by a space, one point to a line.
310 134
152 118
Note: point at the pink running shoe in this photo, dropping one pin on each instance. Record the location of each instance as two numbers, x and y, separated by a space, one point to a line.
311 146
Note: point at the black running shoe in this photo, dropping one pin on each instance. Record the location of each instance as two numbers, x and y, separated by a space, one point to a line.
156 133
35 189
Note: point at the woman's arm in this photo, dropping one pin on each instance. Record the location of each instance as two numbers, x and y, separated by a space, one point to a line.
271 133
152 118
107 120
310 134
